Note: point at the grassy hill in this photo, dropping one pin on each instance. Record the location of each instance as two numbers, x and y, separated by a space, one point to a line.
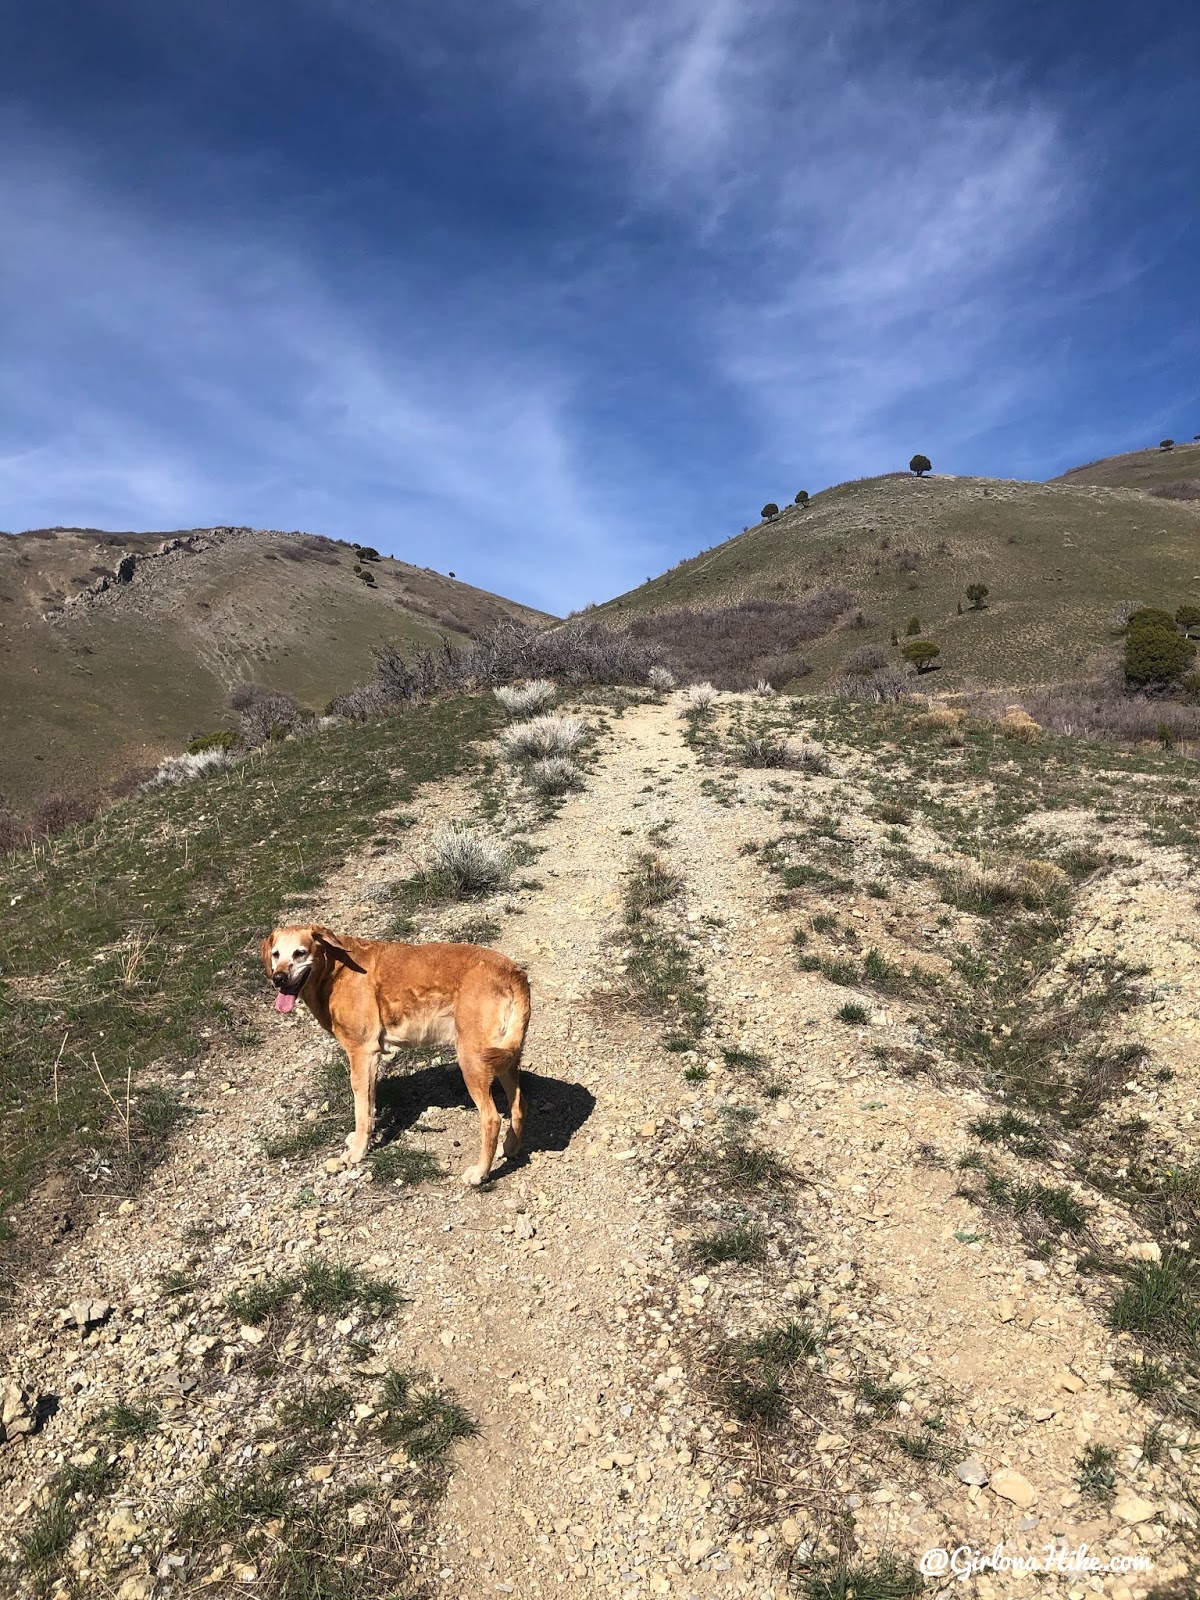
111 662
1057 558
1140 469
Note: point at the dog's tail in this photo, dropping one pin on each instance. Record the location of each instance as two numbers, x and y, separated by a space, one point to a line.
504 1052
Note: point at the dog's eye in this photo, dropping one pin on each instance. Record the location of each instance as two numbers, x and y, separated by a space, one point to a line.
275 954
299 954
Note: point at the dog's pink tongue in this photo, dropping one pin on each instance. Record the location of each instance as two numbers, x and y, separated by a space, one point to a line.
284 1002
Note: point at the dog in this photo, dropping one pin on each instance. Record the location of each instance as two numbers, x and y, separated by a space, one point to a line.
372 995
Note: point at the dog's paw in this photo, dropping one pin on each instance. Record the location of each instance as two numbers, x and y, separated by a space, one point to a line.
473 1177
512 1145
355 1152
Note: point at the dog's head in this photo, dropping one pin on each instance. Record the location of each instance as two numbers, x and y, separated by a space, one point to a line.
292 955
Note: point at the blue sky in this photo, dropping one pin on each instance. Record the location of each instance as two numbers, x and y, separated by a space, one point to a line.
554 293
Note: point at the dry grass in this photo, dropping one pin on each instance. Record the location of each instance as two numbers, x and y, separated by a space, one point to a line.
526 699
996 881
463 860
541 737
1016 724
697 699
941 717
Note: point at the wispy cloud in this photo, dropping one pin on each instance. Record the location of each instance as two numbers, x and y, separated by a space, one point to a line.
552 293
187 378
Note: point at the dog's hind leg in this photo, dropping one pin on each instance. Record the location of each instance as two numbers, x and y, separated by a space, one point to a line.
510 1081
477 1075
364 1073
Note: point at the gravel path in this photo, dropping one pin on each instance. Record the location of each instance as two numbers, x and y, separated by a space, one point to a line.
560 1303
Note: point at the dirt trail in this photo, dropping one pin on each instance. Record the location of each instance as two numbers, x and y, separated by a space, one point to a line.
560 1304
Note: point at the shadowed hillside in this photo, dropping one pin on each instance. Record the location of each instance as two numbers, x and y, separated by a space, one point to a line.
118 647
1056 557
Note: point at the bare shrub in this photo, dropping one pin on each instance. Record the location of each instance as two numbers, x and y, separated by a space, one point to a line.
554 775
879 688
697 700
585 652
1016 724
734 644
764 688
661 678
191 764
1105 710
1118 617
808 755
270 715
541 737
56 812
1185 489
797 755
462 860
14 834
867 658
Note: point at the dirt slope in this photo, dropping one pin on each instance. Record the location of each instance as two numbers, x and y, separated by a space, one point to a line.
563 1304
117 648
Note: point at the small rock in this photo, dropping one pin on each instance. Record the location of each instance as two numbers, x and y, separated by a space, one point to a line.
789 1531
251 1334
1070 1381
1147 1251
1010 1485
18 1413
830 1441
972 1471
321 1473
1132 1508
84 1314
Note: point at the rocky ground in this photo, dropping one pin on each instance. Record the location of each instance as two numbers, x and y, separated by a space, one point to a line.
881 1366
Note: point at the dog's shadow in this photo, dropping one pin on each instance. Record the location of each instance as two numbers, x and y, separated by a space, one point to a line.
555 1109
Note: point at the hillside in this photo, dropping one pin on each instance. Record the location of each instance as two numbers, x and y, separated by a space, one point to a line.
111 662
1057 558
1140 469
856 1217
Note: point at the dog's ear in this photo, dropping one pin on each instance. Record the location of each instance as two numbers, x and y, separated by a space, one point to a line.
265 948
333 943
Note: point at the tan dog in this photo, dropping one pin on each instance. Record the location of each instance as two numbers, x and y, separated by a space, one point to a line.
372 996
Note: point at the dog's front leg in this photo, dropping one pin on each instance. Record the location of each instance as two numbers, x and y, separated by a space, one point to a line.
364 1071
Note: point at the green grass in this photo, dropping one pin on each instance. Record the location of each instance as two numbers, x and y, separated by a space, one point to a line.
740 1166
661 970
1009 1128
339 1287
198 874
743 1242
1160 1302
44 1541
425 1420
757 1379
1094 1472
403 1163
123 1421
299 1140
880 1398
261 1300
315 1409
853 1013
888 1577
